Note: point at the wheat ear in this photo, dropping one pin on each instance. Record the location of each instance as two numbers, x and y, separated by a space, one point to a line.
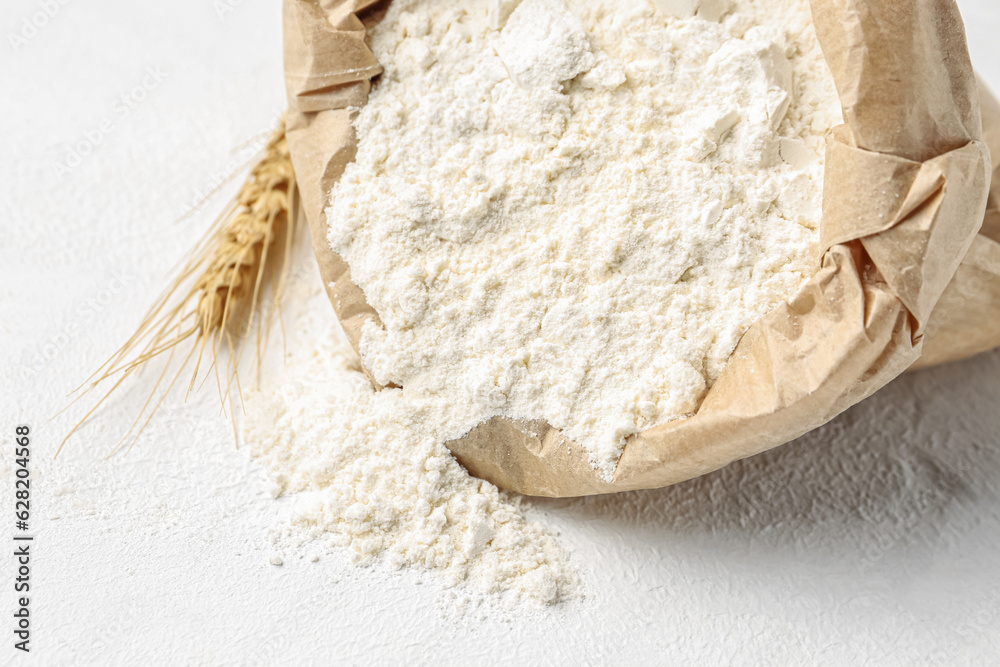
216 298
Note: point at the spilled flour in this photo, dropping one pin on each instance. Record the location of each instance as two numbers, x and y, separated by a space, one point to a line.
375 482
572 211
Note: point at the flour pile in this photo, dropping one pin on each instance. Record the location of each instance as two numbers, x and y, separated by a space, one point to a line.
573 211
375 483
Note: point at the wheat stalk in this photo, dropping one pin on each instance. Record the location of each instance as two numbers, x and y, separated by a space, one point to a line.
218 290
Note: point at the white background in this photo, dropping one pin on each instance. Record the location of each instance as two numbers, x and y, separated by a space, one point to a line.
872 539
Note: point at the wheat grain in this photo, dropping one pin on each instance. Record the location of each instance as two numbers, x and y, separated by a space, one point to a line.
216 297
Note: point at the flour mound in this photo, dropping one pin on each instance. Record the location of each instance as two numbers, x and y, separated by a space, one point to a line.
373 483
572 211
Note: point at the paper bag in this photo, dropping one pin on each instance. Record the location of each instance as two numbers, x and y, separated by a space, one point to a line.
906 186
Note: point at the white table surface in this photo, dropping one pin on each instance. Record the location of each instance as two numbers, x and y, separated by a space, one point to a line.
873 539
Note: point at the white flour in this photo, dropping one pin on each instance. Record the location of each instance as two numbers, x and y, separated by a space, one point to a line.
375 483
576 217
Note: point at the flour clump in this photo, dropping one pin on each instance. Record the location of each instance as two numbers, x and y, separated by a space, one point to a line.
543 44
572 211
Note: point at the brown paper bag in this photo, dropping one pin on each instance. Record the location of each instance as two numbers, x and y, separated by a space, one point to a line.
906 186
966 320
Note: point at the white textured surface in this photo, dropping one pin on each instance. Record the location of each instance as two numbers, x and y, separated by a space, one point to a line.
873 538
